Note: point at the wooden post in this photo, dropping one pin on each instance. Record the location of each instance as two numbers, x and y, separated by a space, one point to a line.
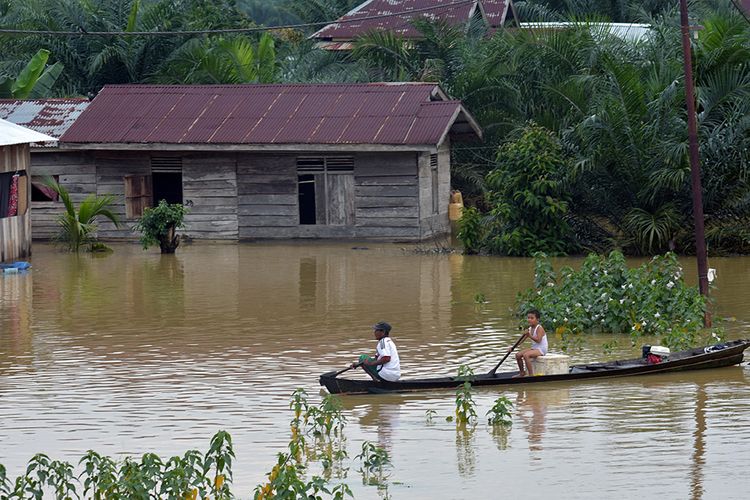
695 172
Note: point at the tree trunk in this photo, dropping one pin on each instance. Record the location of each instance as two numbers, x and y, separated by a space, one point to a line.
169 242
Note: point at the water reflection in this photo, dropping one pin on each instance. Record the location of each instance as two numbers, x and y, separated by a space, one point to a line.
466 449
136 352
532 406
16 341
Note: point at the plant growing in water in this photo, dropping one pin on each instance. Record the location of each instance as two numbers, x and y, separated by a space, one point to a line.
78 227
326 418
604 295
500 413
159 225
374 462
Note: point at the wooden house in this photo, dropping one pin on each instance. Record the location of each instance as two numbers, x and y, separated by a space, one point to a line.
73 169
277 161
15 195
397 17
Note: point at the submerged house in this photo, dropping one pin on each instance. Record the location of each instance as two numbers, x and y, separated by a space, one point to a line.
275 161
397 16
51 117
15 195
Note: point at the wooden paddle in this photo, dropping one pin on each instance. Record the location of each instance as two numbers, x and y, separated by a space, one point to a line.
492 372
336 374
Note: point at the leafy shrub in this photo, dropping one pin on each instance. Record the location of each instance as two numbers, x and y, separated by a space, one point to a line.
191 476
527 200
604 295
500 414
158 226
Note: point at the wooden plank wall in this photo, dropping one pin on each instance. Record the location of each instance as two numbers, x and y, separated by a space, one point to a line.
209 187
111 168
386 198
386 195
15 232
77 174
267 196
432 224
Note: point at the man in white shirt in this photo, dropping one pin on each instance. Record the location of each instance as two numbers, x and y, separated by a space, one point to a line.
385 365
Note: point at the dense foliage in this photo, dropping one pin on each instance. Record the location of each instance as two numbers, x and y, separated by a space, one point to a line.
158 226
604 295
614 105
191 476
528 200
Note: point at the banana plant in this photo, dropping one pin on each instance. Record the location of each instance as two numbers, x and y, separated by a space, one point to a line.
34 81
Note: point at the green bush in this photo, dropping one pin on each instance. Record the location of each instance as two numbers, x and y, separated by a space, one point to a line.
158 225
606 296
527 200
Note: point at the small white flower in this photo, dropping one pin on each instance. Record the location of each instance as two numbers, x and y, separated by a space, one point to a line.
643 322
630 286
567 310
715 336
623 287
670 285
578 304
622 301
657 315
565 320
653 282
596 283
604 295
605 272
550 284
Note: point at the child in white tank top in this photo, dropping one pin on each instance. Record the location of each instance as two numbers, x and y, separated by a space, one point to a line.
538 345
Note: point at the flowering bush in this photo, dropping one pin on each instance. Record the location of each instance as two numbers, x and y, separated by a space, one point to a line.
606 296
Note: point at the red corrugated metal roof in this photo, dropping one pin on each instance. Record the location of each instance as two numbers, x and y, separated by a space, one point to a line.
47 116
396 16
383 113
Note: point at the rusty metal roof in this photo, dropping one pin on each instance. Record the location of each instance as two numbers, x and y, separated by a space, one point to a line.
381 113
47 116
396 16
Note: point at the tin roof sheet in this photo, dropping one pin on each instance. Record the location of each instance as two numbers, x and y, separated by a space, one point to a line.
383 113
396 16
47 116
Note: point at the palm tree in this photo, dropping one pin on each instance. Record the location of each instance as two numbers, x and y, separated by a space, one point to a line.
221 60
78 228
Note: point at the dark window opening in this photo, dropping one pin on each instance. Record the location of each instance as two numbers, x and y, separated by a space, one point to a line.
41 192
167 186
307 213
435 183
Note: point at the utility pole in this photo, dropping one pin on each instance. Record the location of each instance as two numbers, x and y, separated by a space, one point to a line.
695 169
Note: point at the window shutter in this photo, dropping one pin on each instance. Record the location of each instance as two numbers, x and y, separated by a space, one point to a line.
138 194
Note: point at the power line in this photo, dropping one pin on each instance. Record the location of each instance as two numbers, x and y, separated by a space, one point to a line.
7 31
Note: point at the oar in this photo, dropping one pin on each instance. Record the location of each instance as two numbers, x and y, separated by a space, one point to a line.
336 374
492 372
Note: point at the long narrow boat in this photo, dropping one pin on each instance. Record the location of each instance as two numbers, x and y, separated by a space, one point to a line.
715 356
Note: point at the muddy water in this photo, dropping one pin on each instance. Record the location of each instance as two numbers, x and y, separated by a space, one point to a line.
135 352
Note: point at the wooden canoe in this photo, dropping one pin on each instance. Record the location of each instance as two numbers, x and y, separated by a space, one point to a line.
716 356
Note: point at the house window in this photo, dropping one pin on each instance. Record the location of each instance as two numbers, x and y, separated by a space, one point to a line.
326 190
41 192
435 184
166 173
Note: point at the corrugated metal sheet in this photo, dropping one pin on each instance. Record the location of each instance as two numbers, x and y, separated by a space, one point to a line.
396 16
47 116
744 6
384 113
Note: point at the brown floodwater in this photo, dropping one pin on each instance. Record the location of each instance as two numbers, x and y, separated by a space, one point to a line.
133 352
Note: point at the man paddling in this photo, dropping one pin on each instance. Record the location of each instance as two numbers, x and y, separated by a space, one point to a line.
385 365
